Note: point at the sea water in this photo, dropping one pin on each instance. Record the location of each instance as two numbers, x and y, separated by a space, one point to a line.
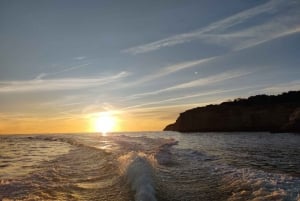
149 166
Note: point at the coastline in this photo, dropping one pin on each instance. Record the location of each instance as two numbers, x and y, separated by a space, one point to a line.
261 113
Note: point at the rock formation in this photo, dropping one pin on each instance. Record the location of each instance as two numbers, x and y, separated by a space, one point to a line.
274 113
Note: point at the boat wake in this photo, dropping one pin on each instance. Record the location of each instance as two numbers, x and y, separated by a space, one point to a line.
146 168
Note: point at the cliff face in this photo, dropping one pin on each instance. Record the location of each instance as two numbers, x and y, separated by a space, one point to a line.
293 124
257 113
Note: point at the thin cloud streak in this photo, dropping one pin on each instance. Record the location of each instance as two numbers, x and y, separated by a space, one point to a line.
57 84
37 117
195 83
80 58
43 75
267 35
209 93
213 29
167 70
185 65
279 88
174 108
276 28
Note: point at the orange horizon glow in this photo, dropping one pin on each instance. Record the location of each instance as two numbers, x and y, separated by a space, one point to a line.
125 123
135 120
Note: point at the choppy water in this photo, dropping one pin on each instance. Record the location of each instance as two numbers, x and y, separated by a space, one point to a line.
161 166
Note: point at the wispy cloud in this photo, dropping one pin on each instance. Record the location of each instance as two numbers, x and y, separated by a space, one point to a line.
196 95
167 70
281 87
43 75
80 58
35 117
250 37
268 32
216 28
171 110
57 84
195 83
184 65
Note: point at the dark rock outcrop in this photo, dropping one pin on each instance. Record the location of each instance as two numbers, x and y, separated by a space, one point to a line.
280 113
170 127
293 125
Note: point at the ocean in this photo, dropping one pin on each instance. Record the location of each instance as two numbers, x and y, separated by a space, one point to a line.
150 166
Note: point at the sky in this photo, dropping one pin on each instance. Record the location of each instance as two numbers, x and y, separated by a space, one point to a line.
63 62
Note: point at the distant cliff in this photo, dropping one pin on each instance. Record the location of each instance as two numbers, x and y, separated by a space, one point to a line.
274 113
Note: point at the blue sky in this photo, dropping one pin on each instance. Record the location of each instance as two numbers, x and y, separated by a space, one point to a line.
145 60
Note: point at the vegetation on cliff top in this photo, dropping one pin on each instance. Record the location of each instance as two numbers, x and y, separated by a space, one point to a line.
280 113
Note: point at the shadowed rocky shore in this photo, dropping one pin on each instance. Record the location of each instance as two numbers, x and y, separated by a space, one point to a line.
273 113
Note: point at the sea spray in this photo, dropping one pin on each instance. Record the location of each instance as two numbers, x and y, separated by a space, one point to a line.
138 171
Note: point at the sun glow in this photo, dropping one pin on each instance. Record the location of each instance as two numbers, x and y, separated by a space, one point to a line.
105 122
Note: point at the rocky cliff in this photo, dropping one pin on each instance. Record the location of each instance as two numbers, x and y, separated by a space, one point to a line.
280 113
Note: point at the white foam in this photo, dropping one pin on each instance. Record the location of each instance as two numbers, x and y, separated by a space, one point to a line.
137 169
256 185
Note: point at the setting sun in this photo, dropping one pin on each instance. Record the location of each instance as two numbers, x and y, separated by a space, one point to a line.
104 122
